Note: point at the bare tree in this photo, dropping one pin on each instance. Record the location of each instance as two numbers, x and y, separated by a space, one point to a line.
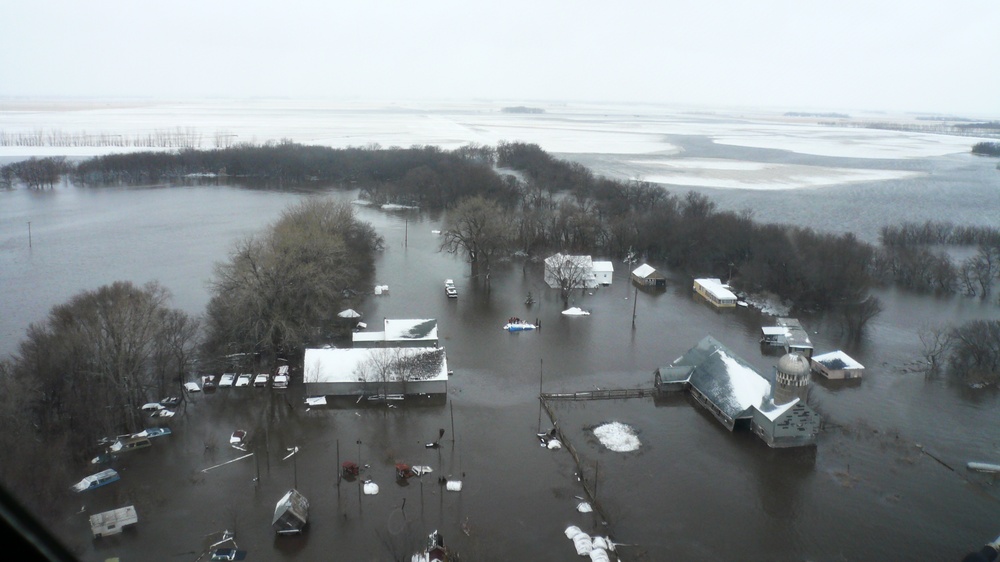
478 228
855 316
935 340
567 272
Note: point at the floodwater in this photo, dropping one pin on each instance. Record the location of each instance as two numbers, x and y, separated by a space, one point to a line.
692 491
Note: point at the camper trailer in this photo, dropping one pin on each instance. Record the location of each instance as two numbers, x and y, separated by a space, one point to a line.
291 513
112 522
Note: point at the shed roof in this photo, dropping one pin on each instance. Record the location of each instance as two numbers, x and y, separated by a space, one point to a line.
604 266
643 271
725 379
837 360
420 329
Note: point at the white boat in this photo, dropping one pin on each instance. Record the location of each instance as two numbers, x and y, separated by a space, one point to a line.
576 311
96 480
983 467
518 326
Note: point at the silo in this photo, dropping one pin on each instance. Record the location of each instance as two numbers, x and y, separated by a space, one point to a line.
791 379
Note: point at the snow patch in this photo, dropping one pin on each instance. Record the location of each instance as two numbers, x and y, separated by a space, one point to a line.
618 437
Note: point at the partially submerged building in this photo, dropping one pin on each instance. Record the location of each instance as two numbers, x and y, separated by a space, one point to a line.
738 396
291 513
837 365
421 332
789 335
375 370
603 272
646 276
715 292
563 271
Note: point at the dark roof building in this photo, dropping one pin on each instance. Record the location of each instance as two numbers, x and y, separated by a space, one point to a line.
736 394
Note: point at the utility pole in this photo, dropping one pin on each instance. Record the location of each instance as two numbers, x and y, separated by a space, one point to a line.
634 299
29 235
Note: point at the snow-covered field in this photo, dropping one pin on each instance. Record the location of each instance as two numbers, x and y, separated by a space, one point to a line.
639 136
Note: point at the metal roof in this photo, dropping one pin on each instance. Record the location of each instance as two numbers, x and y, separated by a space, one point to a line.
725 379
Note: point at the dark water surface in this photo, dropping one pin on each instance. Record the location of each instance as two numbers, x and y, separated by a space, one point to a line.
692 491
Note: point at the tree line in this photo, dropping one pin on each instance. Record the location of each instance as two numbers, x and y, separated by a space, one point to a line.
987 148
916 256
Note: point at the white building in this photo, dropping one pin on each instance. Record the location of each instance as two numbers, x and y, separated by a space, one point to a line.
837 365
563 271
375 370
603 272
715 291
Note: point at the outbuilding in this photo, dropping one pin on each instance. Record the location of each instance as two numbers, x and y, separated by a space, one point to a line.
603 272
646 276
715 292
837 365
291 513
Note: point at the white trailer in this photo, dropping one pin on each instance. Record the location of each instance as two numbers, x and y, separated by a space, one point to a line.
112 522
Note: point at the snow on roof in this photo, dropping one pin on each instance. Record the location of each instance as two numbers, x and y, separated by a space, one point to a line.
772 411
419 329
774 331
604 266
837 360
718 289
643 271
424 329
557 260
346 365
725 379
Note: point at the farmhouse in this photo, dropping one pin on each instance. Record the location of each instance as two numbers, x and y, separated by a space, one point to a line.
375 370
603 272
563 271
738 396
400 333
715 292
837 365
647 276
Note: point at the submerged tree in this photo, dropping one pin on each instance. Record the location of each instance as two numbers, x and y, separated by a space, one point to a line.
282 289
480 229
99 357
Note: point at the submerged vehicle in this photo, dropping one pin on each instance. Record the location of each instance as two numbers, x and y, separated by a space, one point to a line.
449 289
96 480
112 522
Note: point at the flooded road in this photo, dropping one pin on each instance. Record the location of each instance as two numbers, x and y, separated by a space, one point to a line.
692 491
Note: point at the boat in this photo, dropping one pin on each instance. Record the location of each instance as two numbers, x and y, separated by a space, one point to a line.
515 324
576 311
96 480
983 467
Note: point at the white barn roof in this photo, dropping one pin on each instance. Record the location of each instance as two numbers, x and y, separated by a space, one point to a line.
346 365
604 266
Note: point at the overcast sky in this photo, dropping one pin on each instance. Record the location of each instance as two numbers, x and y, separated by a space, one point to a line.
911 56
